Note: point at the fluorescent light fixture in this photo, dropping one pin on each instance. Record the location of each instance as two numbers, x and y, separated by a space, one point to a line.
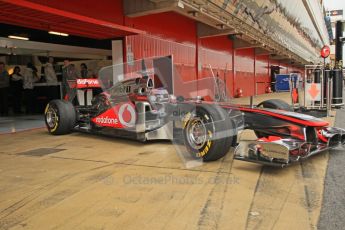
58 33
18 37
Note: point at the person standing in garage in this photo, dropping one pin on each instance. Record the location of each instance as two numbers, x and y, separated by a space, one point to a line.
84 72
51 79
4 85
16 83
30 76
49 71
69 73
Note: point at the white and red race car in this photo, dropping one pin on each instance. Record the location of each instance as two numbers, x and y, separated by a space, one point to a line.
144 100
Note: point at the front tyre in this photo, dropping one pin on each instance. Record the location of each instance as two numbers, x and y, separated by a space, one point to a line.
208 132
276 104
60 117
273 104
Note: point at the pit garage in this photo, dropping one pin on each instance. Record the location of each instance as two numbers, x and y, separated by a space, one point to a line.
213 55
31 33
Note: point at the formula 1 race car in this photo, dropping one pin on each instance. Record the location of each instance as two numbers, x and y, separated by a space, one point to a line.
147 100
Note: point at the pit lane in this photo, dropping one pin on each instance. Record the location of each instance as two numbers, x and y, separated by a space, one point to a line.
82 181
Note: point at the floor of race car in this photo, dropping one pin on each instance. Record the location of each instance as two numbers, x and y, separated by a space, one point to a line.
82 181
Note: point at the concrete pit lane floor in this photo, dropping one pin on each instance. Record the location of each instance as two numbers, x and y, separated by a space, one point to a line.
82 181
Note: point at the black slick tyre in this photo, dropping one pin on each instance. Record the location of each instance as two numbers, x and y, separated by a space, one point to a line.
276 104
60 117
273 104
207 132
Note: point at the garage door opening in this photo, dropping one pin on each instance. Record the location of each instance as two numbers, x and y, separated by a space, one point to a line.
21 47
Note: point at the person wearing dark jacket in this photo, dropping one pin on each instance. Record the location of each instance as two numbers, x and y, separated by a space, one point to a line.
16 84
84 72
4 85
69 73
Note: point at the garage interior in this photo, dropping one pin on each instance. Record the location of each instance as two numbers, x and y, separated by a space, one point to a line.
16 52
42 45
28 36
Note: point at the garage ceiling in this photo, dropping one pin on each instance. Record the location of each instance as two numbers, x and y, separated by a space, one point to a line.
19 47
36 16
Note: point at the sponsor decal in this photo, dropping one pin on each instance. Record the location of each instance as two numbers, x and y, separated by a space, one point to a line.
120 116
325 51
207 147
127 115
106 120
87 83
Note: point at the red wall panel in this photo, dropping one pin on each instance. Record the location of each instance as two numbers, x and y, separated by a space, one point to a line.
284 69
168 34
244 71
167 25
184 55
217 52
262 76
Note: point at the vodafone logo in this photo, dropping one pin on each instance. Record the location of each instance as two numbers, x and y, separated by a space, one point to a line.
127 115
325 51
121 116
107 120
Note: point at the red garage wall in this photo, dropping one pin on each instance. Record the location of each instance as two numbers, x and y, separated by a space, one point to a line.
244 71
167 25
262 77
171 33
168 33
217 52
285 68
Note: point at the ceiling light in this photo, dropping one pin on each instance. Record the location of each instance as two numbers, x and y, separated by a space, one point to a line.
58 33
18 37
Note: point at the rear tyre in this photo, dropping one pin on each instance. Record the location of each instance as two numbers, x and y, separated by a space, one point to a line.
60 117
276 104
207 132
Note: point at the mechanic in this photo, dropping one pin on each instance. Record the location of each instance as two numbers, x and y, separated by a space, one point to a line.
4 85
30 76
84 72
49 71
69 73
16 84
